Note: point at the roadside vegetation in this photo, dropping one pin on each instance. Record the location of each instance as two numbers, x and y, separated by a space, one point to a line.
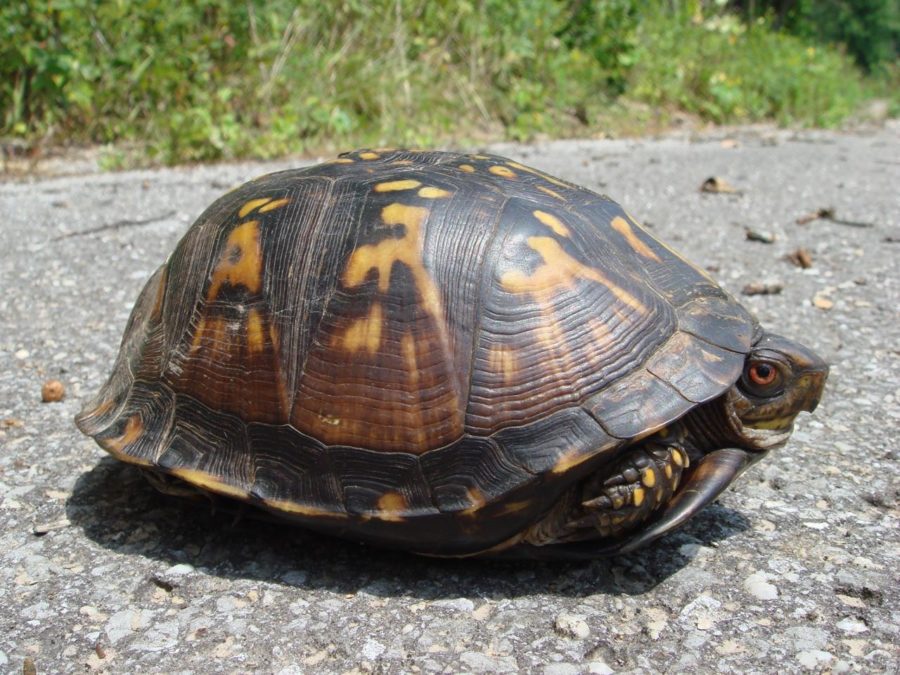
165 81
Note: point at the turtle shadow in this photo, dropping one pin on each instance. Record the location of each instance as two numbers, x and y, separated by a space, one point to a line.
119 510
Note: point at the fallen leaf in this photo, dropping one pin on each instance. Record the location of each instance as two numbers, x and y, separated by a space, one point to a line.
830 214
760 236
823 302
718 186
40 529
760 288
825 212
800 257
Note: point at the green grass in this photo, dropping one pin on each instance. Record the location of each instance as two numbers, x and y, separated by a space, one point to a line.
165 81
726 71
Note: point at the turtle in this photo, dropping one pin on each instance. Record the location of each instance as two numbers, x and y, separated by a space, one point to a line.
452 354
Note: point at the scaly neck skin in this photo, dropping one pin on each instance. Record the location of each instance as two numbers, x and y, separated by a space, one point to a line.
716 424
708 427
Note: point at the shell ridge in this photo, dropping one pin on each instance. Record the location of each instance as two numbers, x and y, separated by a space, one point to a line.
485 269
299 365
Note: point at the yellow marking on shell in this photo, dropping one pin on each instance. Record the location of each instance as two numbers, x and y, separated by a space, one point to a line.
406 250
156 312
341 160
277 204
480 156
391 506
502 171
198 334
648 477
514 507
603 337
675 254
209 482
711 357
552 222
621 226
365 332
134 427
330 420
214 329
468 168
301 509
477 500
369 155
252 205
430 192
255 337
668 471
637 497
104 407
569 459
546 177
403 162
561 269
552 193
408 348
502 359
618 501
246 269
396 185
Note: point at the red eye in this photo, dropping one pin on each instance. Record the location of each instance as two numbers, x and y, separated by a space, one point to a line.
762 374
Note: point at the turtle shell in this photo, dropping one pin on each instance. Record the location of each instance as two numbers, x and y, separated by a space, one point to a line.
420 349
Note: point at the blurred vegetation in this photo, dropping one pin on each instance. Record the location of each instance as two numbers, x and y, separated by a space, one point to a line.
210 79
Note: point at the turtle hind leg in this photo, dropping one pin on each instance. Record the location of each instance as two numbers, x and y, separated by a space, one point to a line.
173 486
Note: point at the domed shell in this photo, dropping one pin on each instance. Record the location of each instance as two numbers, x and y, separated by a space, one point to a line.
421 349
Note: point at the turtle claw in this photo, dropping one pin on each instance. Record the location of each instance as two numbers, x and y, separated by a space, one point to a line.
708 480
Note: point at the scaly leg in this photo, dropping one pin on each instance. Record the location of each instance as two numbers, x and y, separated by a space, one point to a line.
613 502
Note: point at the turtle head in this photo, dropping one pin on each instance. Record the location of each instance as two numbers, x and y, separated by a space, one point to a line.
781 379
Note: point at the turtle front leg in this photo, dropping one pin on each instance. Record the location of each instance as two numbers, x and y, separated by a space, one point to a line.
644 479
615 501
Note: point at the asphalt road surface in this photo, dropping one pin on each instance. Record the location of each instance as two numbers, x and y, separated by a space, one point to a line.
795 568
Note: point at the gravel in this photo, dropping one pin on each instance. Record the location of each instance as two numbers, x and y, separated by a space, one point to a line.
794 569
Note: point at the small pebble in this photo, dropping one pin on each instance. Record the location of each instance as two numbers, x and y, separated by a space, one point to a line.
372 649
851 625
52 391
572 625
758 586
814 659
823 302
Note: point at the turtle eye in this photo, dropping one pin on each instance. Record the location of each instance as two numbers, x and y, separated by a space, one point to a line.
762 374
762 378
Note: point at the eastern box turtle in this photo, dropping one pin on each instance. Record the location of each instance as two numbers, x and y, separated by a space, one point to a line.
452 354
